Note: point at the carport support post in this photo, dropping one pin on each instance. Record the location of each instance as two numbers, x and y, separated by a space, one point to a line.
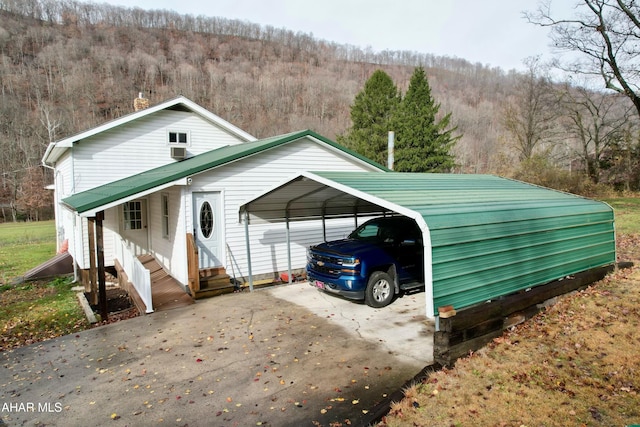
288 249
246 233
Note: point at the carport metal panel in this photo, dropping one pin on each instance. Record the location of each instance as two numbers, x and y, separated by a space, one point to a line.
484 236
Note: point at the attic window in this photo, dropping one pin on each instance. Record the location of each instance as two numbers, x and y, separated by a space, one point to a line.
178 138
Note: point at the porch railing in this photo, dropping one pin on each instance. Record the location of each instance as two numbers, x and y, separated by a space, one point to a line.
139 276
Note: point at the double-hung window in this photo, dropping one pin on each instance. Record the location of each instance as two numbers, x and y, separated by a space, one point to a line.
165 215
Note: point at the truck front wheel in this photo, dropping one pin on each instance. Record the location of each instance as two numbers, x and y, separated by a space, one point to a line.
379 292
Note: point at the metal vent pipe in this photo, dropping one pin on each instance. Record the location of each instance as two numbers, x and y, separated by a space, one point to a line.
390 148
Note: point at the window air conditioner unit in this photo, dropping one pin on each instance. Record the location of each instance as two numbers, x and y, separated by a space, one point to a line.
178 153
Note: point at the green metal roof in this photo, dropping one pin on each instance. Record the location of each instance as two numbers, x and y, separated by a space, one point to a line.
95 198
485 236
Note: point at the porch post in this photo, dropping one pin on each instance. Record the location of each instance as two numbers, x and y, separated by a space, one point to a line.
246 233
102 286
92 285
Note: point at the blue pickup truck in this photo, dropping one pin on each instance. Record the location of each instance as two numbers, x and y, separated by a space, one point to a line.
374 263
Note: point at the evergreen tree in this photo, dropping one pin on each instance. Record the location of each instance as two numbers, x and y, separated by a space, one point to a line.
371 115
422 143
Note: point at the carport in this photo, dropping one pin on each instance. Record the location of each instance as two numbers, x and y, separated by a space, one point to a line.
484 236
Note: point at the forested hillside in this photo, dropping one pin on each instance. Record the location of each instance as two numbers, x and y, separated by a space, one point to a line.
67 66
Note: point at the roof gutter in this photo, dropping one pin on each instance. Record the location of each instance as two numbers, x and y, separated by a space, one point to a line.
91 212
46 155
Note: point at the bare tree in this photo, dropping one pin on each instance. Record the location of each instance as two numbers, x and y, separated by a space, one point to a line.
530 116
67 65
598 123
606 35
32 196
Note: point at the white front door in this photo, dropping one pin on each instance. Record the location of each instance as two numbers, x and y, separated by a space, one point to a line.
208 222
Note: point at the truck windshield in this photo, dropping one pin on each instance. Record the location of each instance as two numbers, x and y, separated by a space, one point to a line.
374 231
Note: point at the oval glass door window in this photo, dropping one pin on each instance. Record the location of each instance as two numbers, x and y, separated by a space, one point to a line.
206 220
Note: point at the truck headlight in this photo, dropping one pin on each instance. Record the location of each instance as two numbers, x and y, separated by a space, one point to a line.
351 263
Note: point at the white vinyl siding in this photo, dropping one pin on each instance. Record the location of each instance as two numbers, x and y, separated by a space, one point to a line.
238 182
170 253
110 233
63 179
243 180
64 175
141 145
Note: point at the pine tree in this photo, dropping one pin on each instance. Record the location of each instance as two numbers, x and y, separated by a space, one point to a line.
422 143
371 115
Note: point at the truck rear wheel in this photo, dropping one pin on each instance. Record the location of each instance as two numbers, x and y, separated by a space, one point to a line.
380 290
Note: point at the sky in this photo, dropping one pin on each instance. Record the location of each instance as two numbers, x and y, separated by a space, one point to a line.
490 32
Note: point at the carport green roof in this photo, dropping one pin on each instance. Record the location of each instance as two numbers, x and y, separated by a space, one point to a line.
485 236
104 195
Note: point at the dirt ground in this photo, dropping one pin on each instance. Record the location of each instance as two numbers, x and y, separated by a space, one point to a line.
119 306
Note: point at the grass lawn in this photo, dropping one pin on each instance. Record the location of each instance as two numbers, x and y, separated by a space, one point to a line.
575 364
33 311
37 311
24 245
627 211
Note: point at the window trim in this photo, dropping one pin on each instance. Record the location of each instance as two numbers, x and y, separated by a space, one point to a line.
178 132
165 215
129 222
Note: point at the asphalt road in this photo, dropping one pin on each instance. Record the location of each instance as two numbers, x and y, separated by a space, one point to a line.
285 356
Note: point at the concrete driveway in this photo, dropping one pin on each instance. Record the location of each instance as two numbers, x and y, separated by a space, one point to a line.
284 356
402 328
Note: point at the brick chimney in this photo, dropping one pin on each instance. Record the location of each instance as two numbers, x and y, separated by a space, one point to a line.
140 103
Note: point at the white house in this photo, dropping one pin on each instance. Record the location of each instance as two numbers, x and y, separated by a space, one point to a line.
170 178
